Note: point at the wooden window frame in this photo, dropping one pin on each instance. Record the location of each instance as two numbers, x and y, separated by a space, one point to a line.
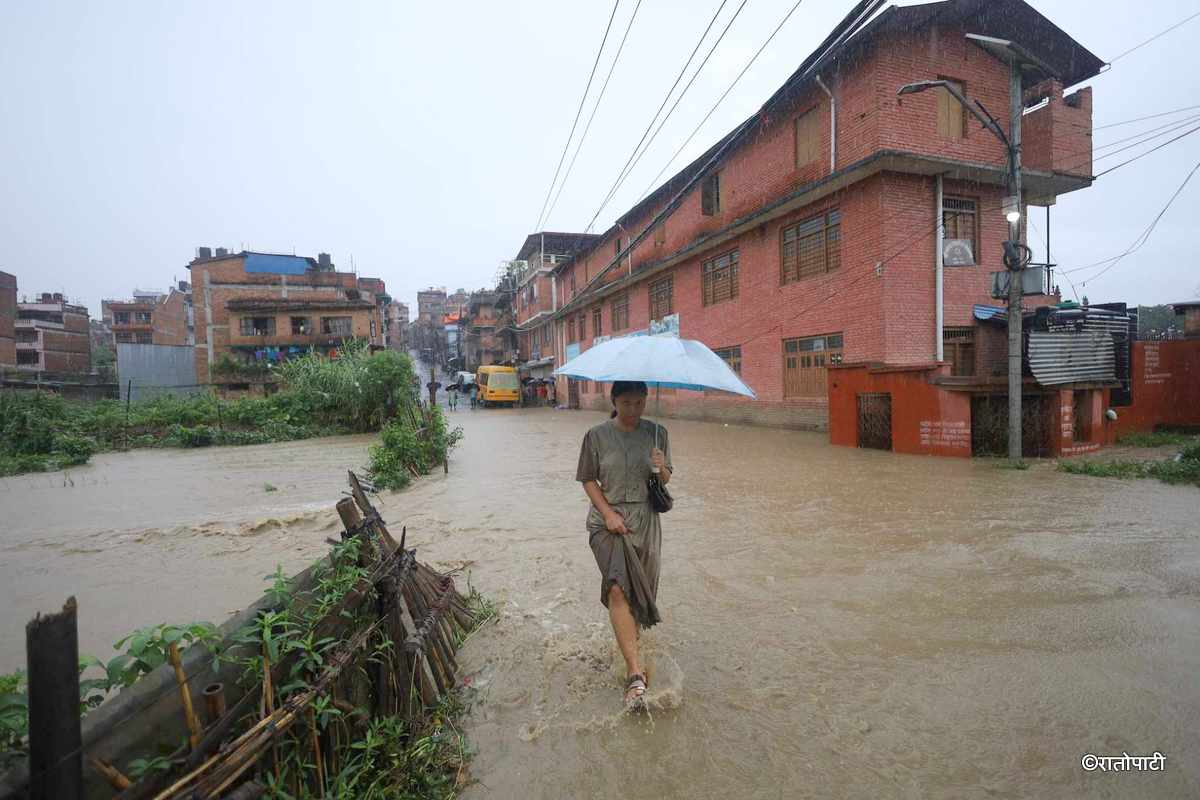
791 270
958 348
619 313
657 289
709 276
710 195
809 378
944 96
809 118
597 322
731 356
327 327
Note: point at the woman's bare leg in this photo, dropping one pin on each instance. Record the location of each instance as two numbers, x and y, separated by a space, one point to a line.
624 627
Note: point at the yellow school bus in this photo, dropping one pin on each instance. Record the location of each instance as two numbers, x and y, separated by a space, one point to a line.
497 385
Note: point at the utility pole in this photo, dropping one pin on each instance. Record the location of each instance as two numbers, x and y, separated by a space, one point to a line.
1016 107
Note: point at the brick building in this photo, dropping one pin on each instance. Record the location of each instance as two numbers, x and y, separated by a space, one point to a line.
536 300
398 324
8 320
375 289
53 335
260 308
151 317
806 238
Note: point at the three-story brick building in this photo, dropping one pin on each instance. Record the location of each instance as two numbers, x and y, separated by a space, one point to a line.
806 238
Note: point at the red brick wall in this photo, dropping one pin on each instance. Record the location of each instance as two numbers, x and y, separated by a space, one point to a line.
1058 136
170 320
8 319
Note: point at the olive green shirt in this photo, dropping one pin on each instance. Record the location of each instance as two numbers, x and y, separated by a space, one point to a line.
620 460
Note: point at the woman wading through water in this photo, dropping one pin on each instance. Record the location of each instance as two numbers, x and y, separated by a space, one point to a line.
614 466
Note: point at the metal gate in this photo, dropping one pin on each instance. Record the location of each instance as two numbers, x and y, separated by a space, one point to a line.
989 426
572 393
875 420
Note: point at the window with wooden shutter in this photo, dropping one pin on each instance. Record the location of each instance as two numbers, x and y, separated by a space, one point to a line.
811 247
662 300
719 279
620 313
806 362
958 347
710 195
731 356
596 315
951 116
808 137
960 222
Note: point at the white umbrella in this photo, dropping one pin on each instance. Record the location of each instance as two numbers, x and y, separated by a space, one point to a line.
664 361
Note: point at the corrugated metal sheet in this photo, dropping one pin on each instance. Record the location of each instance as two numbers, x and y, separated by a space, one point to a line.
151 370
988 312
279 265
1068 357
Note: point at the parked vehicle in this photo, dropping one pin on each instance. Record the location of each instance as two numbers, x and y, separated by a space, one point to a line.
498 385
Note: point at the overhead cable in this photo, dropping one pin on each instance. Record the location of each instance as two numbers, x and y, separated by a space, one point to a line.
578 111
595 108
1155 36
663 105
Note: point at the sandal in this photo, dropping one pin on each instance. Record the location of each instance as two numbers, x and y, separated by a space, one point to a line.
635 691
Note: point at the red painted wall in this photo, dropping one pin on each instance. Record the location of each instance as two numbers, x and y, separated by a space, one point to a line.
926 420
1166 386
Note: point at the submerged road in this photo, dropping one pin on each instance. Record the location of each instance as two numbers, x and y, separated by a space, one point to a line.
837 622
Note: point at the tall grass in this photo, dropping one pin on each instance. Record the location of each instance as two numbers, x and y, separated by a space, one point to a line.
355 393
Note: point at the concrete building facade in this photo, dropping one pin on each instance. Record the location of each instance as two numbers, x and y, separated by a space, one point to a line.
151 317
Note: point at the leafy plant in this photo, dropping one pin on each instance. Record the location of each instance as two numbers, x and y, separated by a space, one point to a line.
148 649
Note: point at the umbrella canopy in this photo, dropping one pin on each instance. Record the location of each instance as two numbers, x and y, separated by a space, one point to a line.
664 361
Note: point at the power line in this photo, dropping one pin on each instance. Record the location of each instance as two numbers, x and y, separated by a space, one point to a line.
1148 116
1155 36
629 171
595 108
1141 239
1148 152
721 99
1165 127
578 111
645 133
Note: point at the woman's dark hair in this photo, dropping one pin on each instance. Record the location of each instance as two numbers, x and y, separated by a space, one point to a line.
626 387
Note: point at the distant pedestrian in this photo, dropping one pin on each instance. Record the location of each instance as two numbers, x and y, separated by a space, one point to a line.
452 395
541 393
473 390
433 386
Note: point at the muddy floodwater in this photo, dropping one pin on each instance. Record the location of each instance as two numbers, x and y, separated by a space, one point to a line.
837 622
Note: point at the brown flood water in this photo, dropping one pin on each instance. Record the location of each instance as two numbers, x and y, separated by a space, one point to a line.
837 622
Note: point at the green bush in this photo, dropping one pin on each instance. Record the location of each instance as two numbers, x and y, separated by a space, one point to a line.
403 449
354 393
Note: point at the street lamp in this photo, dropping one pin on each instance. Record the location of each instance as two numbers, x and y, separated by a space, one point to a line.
1016 57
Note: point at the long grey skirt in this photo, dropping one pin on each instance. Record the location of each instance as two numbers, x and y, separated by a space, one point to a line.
631 560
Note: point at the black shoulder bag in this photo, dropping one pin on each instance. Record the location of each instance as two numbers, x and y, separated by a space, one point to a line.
660 499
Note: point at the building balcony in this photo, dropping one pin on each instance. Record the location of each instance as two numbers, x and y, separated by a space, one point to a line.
289 340
1057 136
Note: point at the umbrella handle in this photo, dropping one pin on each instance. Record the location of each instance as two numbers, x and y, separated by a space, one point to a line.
654 470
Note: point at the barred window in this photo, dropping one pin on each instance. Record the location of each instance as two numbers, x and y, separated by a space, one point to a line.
811 247
571 330
620 313
958 347
596 321
805 362
719 279
959 215
662 299
582 325
258 326
337 326
731 356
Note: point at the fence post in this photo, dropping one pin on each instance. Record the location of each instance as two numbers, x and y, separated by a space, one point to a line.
128 398
55 739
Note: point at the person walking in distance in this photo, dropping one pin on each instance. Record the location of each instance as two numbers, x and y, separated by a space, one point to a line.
452 396
615 463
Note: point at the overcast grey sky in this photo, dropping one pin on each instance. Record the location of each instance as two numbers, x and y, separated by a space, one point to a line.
419 138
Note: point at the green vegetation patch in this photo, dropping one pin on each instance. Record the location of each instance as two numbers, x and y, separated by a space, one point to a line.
355 393
1157 438
411 446
1183 469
